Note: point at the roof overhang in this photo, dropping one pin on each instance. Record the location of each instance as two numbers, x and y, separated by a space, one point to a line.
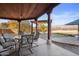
24 11
40 21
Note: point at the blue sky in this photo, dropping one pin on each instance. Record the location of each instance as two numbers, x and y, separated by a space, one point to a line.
62 14
65 13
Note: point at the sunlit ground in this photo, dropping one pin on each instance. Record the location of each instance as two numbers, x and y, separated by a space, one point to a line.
69 32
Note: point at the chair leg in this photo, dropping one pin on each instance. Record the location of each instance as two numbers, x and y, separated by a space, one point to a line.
30 50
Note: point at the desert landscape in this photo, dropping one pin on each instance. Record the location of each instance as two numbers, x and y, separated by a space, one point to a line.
65 29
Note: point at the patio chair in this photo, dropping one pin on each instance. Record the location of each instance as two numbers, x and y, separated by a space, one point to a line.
35 38
5 47
6 51
12 43
8 37
5 43
27 41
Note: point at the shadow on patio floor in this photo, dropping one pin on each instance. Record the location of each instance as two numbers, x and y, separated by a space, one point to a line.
74 49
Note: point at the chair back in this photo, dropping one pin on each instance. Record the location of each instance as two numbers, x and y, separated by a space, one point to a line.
27 40
23 39
2 40
3 36
30 39
36 36
8 36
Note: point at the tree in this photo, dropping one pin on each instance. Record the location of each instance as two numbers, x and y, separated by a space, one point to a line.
4 26
43 28
25 26
13 25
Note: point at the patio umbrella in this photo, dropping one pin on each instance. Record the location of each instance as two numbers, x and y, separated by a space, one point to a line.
75 22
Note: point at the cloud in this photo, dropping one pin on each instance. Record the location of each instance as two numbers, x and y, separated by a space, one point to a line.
3 20
66 15
64 18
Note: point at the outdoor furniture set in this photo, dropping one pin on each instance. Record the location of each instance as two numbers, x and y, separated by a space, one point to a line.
8 46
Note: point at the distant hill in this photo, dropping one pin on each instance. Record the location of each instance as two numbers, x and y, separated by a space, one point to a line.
65 27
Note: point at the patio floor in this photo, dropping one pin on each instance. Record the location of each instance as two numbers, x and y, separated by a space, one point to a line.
62 39
48 50
55 49
51 50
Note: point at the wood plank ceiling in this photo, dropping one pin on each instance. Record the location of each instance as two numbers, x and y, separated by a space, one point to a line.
23 11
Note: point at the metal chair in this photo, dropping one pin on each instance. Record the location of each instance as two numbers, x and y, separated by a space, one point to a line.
6 48
26 42
7 41
7 45
8 37
6 51
35 38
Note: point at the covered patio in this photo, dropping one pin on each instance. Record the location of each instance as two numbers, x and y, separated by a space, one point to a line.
21 12
26 11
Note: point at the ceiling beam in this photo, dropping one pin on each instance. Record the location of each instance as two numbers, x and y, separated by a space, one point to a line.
6 18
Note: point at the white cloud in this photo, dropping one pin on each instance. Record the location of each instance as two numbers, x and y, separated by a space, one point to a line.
64 17
3 20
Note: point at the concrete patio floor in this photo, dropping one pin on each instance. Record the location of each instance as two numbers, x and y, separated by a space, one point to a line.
50 50
55 49
62 39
